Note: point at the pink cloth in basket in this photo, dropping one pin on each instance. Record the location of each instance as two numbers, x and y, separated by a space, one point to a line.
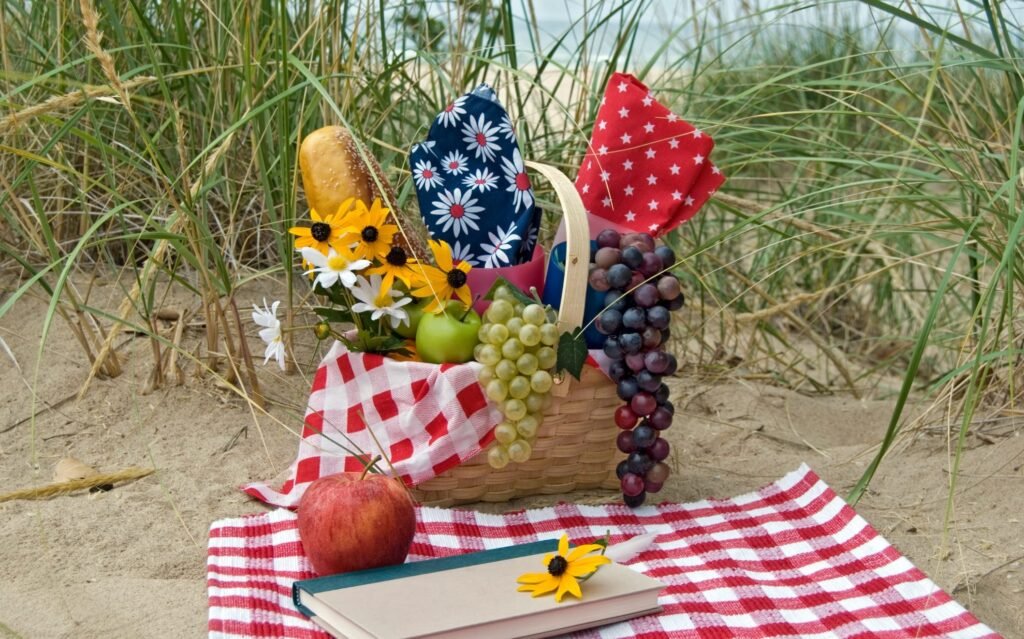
425 418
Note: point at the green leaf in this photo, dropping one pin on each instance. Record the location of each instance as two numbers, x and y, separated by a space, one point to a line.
333 314
515 290
332 293
572 352
367 342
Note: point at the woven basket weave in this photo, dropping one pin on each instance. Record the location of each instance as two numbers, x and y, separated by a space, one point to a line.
575 446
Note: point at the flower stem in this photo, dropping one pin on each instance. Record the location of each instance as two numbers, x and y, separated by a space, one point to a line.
603 542
469 308
355 316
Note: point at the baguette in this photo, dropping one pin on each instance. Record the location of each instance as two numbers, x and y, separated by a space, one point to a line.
333 171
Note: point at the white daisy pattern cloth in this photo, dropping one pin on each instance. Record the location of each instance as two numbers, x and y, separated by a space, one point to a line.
472 184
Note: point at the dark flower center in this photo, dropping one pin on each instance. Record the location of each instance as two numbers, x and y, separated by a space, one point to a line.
396 256
320 231
370 234
557 566
456 278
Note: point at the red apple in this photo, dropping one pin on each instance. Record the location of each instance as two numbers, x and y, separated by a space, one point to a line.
353 522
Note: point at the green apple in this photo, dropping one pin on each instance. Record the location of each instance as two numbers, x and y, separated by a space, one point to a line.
448 337
415 312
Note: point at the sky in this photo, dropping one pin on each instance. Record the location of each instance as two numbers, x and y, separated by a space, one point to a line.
554 17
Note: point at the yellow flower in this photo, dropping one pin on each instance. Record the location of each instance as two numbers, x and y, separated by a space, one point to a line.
327 232
564 569
444 280
366 228
398 264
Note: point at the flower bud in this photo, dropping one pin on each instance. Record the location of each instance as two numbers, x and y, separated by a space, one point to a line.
322 330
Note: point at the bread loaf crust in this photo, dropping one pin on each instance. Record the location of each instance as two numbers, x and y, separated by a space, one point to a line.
333 171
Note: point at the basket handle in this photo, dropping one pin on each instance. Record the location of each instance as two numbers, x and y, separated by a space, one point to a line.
577 257
577 250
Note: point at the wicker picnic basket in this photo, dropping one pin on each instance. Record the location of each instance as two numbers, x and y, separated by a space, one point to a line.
575 446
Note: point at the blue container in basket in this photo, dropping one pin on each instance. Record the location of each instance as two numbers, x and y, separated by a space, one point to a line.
553 283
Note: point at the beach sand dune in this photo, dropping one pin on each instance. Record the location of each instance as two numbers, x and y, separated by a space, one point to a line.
131 562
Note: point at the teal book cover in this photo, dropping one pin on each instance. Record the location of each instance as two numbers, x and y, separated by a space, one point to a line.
413 568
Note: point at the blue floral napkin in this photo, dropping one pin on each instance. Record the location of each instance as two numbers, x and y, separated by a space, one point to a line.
472 185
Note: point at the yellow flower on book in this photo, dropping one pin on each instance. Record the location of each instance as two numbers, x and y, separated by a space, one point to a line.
367 229
325 233
564 571
444 280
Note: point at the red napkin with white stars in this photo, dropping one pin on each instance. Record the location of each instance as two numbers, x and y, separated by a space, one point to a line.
646 168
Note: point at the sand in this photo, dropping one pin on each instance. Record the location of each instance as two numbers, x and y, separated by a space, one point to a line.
131 562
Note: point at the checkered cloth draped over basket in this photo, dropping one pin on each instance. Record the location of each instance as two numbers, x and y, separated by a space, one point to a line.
790 560
425 419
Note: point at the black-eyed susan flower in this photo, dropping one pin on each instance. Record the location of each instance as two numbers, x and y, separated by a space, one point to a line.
366 231
445 280
325 233
398 265
564 571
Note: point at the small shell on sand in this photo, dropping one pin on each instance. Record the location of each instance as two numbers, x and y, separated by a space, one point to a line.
70 469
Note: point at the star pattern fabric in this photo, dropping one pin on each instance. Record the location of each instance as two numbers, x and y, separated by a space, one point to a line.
472 185
646 168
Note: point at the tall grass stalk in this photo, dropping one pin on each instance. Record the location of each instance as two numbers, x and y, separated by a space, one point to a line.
866 242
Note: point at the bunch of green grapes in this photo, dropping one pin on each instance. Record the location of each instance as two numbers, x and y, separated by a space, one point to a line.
517 350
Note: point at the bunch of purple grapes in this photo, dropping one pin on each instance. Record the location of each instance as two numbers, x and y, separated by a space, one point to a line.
640 295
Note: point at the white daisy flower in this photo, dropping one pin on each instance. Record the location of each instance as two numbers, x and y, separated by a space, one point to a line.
457 211
530 242
271 331
481 137
518 180
452 113
333 267
507 129
485 91
426 145
501 244
371 300
463 253
482 180
454 163
426 175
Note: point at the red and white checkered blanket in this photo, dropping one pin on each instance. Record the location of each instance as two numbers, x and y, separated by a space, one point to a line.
424 418
791 560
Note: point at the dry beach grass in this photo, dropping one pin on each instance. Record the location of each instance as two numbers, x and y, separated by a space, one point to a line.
855 288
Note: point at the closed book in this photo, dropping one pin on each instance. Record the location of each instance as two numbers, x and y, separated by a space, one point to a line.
470 596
